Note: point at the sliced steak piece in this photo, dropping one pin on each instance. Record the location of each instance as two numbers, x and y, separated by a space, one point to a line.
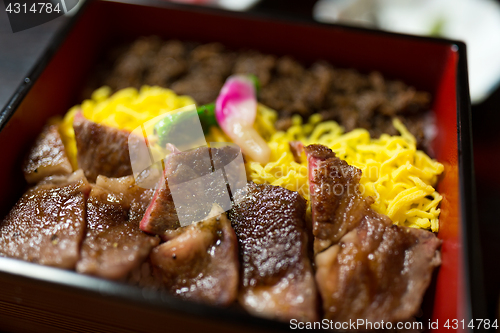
377 272
47 157
160 216
137 197
336 199
297 148
277 279
256 63
47 224
200 263
114 245
102 150
194 182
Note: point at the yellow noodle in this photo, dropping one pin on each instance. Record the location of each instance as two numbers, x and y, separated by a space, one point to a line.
399 177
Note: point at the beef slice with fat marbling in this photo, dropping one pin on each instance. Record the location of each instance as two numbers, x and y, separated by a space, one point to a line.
114 245
200 262
277 280
192 183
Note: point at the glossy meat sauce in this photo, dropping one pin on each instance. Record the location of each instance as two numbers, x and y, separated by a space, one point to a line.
377 272
200 262
47 224
197 178
102 150
114 245
336 200
277 279
366 267
47 157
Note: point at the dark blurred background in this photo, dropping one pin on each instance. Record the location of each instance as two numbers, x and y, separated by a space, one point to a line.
19 52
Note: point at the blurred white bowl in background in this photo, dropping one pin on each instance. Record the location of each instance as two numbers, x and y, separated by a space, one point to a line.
477 22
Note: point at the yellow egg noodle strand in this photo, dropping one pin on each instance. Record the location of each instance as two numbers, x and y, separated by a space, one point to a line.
399 177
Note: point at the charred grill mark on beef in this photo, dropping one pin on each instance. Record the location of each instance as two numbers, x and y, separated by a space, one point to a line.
47 157
200 262
102 150
114 245
47 224
183 167
377 272
252 62
277 279
336 200
266 221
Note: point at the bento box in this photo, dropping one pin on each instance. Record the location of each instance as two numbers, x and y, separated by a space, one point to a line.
40 298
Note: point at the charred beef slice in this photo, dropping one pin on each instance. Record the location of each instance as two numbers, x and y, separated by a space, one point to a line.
369 269
337 205
200 262
351 98
196 177
377 272
114 245
47 157
101 149
276 275
47 224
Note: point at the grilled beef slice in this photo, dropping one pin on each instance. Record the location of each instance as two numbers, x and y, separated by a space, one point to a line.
114 245
47 224
374 270
102 150
47 157
297 148
276 276
336 200
160 216
377 272
200 262
197 187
